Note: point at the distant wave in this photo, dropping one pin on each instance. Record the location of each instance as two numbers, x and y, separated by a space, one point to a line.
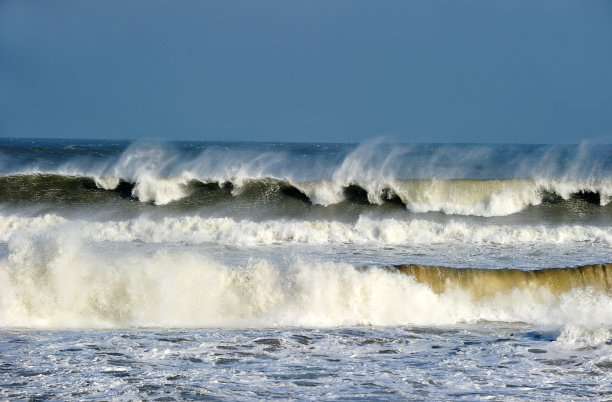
483 197
479 180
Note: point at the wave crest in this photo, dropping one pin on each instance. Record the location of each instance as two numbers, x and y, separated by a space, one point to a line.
488 197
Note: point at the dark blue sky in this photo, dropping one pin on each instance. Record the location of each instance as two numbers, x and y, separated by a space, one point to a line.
339 71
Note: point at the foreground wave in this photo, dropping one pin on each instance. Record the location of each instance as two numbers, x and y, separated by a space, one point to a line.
53 284
484 197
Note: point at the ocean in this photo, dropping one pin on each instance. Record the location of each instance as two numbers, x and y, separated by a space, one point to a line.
239 271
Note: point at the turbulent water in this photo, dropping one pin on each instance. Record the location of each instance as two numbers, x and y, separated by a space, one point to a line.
252 270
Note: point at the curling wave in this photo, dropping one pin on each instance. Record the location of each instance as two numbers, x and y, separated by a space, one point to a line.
485 197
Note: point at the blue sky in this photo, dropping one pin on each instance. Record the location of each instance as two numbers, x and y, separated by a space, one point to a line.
335 71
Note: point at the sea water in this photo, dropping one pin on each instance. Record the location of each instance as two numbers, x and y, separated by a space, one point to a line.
184 270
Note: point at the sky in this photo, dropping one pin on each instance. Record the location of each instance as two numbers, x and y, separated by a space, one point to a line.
307 71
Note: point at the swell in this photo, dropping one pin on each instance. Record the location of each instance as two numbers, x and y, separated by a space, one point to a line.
488 282
483 197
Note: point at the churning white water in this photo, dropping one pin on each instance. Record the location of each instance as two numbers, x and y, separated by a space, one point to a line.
243 271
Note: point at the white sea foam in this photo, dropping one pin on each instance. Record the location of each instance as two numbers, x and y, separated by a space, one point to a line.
468 197
324 192
107 183
160 191
12 225
229 231
61 282
577 336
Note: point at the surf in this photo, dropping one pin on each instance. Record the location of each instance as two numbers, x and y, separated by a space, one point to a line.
65 283
486 197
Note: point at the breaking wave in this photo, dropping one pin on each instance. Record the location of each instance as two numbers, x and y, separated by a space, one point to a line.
452 179
485 197
230 231
46 283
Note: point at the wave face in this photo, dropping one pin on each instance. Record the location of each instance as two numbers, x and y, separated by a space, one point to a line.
486 282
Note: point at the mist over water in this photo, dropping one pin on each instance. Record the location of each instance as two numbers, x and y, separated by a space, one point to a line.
252 256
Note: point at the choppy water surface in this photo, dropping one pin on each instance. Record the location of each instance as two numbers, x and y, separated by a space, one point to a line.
463 362
243 271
